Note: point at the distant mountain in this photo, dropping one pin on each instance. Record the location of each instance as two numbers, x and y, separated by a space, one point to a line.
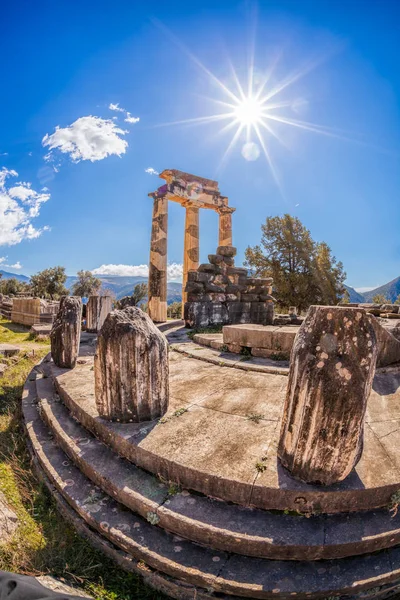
354 295
7 275
390 290
123 286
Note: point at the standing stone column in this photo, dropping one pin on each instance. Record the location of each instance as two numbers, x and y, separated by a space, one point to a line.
97 310
225 225
191 246
131 368
332 366
157 306
66 332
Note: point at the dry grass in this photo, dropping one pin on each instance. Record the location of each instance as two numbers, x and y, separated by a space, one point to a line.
44 542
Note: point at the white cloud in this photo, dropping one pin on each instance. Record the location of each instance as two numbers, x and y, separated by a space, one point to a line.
116 107
88 138
365 289
18 206
3 259
174 270
151 171
130 119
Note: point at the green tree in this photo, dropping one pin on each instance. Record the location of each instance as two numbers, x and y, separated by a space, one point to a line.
304 272
397 301
11 286
380 299
49 283
86 284
138 295
174 310
346 297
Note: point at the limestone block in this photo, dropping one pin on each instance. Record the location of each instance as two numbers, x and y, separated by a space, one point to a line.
388 344
215 259
229 251
331 371
97 310
249 297
229 261
239 312
131 368
198 277
66 332
217 297
197 314
219 313
211 287
193 287
208 268
389 308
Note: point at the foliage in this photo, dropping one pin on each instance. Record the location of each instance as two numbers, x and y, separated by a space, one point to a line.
380 299
12 286
397 301
346 297
86 285
174 310
49 283
138 295
304 271
44 542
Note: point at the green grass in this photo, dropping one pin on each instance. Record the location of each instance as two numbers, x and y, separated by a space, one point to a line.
44 542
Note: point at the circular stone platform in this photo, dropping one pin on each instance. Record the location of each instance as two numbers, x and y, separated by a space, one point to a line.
220 436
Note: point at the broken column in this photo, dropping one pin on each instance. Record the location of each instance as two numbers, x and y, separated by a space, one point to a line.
157 306
332 366
66 332
97 310
225 225
191 245
131 368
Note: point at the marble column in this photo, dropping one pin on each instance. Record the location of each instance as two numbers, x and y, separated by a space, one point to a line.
157 307
191 246
225 226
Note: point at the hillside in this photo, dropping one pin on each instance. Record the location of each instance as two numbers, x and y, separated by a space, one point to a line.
7 275
390 290
123 286
354 295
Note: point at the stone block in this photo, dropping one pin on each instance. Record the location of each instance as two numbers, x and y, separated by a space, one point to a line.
215 259
249 297
208 268
194 287
237 271
235 348
389 308
131 368
219 314
239 312
229 251
217 297
66 332
197 314
211 287
196 276
261 312
229 261
97 309
331 372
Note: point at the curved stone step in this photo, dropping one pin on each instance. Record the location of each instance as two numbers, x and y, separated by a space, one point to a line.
216 523
232 574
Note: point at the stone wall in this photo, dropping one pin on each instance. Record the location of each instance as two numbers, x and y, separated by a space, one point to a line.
29 311
218 293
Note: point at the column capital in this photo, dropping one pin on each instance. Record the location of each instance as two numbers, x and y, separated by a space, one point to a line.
225 210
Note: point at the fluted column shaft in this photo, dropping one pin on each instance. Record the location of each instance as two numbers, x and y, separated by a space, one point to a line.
191 246
225 226
157 306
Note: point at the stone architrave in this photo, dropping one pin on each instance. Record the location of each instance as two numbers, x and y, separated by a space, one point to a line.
97 310
157 306
332 366
66 332
131 368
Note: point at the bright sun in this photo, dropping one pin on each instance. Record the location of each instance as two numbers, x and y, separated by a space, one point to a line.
249 111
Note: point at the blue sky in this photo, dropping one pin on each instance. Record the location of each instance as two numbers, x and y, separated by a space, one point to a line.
86 204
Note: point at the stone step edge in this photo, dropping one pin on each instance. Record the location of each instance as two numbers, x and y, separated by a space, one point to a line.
154 579
379 569
223 363
247 494
290 538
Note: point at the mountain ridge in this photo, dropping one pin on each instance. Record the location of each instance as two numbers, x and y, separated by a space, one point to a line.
122 285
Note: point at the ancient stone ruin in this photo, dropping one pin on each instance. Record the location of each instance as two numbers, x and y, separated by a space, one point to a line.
219 293
192 193
97 310
332 366
66 332
131 368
